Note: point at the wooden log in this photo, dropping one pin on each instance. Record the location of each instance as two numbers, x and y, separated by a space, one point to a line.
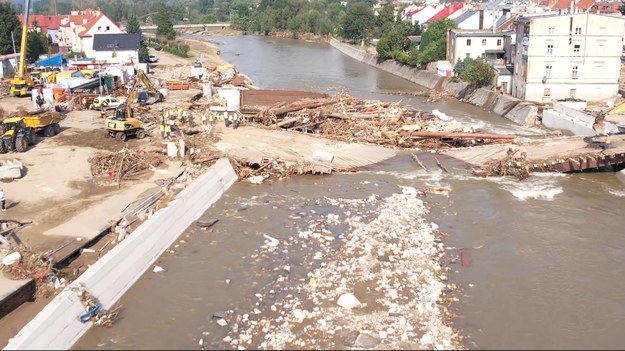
414 157
352 115
438 163
424 134
293 108
286 121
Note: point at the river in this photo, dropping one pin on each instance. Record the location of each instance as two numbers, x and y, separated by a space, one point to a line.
543 256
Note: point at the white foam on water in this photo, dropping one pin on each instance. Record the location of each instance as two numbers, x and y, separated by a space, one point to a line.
539 186
618 193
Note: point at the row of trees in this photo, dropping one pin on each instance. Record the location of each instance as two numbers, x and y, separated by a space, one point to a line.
37 43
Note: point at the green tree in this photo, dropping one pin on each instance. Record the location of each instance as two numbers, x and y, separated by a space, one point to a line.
206 6
387 14
36 44
393 42
437 32
240 15
9 23
165 24
434 42
478 72
358 21
133 25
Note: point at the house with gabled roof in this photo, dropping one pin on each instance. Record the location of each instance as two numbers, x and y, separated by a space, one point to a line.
476 19
102 24
116 48
447 10
424 14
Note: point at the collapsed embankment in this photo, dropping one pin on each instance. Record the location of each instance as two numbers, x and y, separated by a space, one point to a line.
521 112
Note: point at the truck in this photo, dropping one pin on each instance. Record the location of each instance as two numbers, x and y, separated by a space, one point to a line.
18 133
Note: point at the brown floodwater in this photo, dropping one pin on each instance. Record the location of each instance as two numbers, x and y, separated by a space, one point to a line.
543 257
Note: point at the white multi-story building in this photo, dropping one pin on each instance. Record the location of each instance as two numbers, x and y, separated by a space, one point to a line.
563 56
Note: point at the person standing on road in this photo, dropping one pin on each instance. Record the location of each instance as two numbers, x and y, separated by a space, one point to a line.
3 199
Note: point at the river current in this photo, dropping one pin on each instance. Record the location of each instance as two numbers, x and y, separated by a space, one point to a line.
543 256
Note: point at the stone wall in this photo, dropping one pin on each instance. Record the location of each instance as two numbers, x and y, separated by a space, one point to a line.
521 112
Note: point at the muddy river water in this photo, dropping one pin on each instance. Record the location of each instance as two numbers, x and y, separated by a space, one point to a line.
543 257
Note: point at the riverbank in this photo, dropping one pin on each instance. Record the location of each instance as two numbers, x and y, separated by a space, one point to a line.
521 112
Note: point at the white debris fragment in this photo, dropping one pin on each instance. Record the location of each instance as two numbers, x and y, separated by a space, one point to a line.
273 242
222 322
158 269
348 300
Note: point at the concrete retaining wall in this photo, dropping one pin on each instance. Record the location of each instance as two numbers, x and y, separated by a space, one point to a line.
503 105
57 326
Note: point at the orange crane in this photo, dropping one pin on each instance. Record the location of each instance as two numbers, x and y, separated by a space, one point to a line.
22 84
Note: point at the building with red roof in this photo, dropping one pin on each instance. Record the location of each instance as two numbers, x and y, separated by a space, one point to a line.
449 9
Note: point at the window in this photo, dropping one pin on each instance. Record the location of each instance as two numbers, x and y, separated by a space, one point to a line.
549 50
108 28
574 72
498 42
548 70
99 28
468 42
483 42
576 48
573 91
547 93
552 30
578 30
468 55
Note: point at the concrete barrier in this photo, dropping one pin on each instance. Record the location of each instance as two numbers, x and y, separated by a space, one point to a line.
57 326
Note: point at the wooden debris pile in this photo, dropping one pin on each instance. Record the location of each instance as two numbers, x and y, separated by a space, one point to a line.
31 265
274 169
126 164
511 165
345 118
94 312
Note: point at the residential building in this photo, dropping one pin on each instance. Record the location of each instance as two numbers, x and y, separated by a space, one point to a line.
99 25
448 10
476 19
117 48
606 7
424 14
489 45
563 56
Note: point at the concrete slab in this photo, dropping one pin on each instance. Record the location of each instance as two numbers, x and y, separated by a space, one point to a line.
14 293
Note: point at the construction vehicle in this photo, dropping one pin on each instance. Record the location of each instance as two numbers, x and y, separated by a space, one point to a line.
20 132
22 84
123 124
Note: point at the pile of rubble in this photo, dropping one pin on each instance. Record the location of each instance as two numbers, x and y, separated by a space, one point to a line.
384 288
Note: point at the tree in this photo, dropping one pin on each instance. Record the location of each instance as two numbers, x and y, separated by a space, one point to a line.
165 25
622 7
437 32
434 42
393 42
133 25
206 6
478 72
9 23
358 20
387 14
36 44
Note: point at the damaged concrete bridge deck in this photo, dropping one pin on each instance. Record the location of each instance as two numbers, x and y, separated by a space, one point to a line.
560 154
253 144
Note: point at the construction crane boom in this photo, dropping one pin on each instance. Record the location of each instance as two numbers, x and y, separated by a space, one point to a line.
22 84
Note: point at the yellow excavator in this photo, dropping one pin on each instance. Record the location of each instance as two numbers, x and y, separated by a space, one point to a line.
22 84
123 124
